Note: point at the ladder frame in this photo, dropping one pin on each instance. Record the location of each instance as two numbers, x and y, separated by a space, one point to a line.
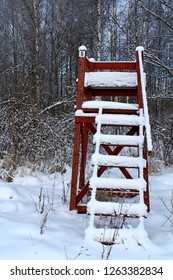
79 188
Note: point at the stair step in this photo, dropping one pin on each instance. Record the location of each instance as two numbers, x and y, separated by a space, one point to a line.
110 79
109 105
115 236
112 183
120 119
118 161
125 140
114 208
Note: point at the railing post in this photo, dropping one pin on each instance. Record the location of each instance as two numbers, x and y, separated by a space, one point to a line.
81 76
78 127
139 97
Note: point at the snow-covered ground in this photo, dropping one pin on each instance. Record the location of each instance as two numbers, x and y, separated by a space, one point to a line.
63 232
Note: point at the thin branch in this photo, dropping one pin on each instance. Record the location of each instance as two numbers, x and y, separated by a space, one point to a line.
166 205
155 15
158 62
166 4
47 109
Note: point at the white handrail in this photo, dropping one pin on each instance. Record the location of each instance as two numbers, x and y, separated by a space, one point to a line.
144 97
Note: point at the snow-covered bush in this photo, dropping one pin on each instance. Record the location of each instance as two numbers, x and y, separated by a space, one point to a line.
161 119
43 139
6 167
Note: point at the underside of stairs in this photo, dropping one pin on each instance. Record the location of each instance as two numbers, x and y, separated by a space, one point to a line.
112 133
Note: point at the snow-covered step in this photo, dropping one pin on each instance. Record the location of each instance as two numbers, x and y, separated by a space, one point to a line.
114 183
97 104
118 161
110 79
115 236
114 208
120 119
126 140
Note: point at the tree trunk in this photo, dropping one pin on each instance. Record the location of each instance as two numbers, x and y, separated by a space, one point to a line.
99 30
36 49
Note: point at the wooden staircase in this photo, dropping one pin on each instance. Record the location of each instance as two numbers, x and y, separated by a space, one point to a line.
120 124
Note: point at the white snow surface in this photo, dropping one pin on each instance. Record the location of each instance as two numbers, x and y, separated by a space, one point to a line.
109 105
64 234
114 183
118 139
100 207
110 160
82 48
120 119
110 79
116 234
80 113
140 48
145 103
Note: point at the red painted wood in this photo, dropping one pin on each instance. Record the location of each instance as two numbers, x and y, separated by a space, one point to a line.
81 119
81 78
111 111
113 65
84 144
75 164
139 96
112 91
81 209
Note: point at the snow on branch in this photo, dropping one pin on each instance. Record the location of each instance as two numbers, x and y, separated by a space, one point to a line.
55 104
69 100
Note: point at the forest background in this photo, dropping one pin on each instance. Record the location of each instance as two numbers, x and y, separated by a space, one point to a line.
38 70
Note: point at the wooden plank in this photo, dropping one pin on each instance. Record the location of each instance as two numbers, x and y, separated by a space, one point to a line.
82 209
80 84
110 111
75 164
139 96
82 193
113 91
114 65
81 119
84 144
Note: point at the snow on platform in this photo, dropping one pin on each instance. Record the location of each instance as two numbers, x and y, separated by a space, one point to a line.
114 183
107 160
109 105
110 79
